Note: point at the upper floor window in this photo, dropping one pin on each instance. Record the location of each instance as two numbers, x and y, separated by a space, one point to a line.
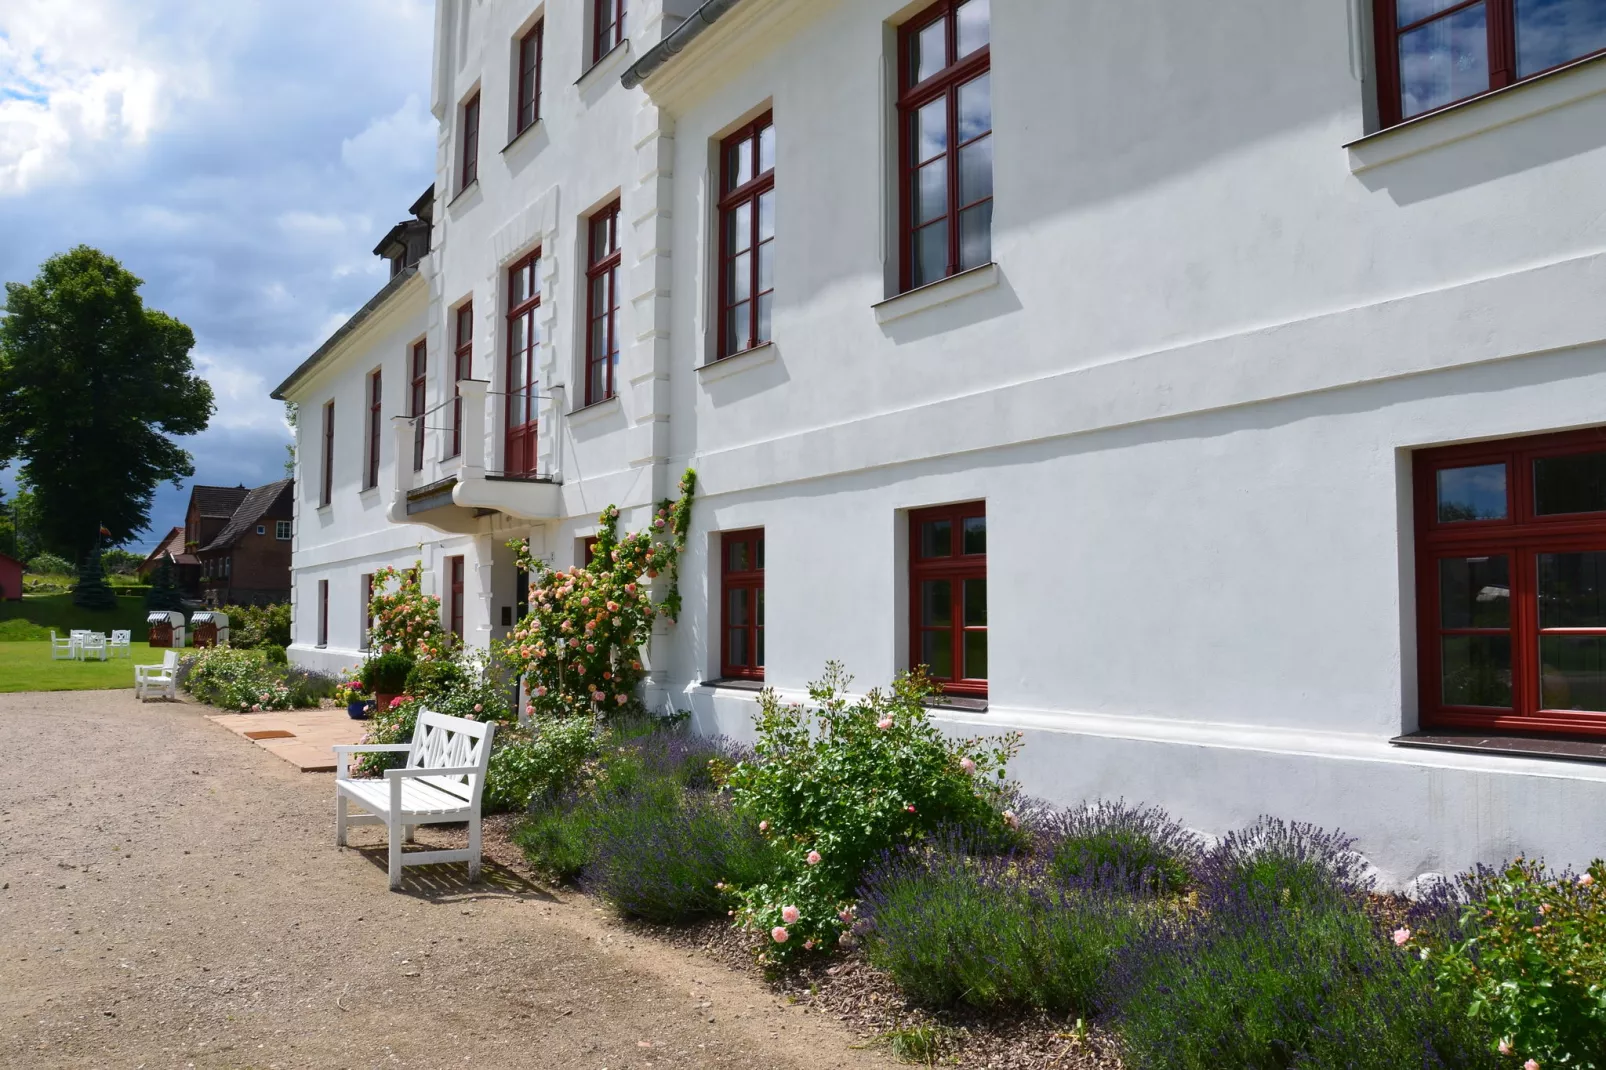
1433 53
375 418
529 98
1511 584
326 490
948 595
747 236
415 400
602 305
946 147
468 166
462 368
281 530
609 27
523 354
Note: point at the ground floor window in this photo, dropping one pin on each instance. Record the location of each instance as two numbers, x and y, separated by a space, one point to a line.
1511 583
367 609
454 600
948 595
323 612
742 602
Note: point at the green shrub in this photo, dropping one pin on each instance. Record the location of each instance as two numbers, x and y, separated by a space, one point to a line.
993 931
557 840
51 565
386 674
236 680
430 678
276 655
1530 959
16 631
461 686
393 724
537 765
121 562
837 786
254 627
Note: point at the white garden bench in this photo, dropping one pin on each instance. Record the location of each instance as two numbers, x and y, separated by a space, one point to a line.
441 783
157 679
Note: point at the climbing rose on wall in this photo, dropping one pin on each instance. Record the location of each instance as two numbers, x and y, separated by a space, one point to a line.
580 645
404 619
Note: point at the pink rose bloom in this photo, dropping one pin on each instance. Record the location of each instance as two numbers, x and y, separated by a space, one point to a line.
395 702
779 935
967 764
470 717
846 916
630 587
884 723
1010 819
529 711
598 696
1504 1046
256 709
1531 1064
1402 937
540 692
621 699
1586 880
910 807
591 648
479 707
585 600
763 826
790 915
808 945
613 607
813 859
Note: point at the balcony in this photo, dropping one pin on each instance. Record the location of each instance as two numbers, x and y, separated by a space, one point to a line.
454 493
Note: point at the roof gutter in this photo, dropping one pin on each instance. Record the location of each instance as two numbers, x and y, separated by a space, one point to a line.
677 42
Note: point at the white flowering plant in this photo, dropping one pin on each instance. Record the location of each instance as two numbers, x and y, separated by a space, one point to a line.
838 782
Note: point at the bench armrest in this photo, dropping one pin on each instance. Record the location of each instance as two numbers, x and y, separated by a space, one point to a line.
456 770
369 748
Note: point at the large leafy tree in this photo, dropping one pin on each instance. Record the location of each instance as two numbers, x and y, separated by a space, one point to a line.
93 385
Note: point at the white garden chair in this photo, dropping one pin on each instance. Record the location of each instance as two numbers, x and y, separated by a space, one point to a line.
157 679
122 640
92 645
441 783
63 649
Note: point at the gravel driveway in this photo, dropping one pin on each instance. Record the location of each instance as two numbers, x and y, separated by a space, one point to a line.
173 898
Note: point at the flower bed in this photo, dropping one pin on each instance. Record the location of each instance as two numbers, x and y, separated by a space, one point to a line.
248 681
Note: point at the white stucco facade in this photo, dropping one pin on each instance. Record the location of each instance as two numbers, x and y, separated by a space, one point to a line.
1221 315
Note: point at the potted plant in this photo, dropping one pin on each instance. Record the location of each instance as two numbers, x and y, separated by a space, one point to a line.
385 677
352 693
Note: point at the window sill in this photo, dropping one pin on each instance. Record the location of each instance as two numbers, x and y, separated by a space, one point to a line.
736 363
1577 81
594 411
472 187
527 132
735 683
1574 749
933 294
965 703
610 61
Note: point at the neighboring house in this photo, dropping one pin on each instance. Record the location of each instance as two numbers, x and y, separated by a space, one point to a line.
247 562
10 578
186 566
1210 393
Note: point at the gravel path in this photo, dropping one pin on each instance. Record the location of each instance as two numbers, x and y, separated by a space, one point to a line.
172 897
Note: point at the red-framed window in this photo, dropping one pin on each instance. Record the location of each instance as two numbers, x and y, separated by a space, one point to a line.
326 490
948 595
946 147
529 99
608 25
416 393
1511 584
747 236
454 598
1434 53
523 342
588 550
367 610
741 585
323 612
468 166
602 305
462 368
375 416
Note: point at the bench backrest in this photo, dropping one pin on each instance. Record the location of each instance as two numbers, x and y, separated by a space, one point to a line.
122 635
443 742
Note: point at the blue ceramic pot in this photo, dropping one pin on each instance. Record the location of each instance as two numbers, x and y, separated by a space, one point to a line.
359 709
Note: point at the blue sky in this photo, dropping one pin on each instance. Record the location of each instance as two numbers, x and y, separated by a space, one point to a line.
243 158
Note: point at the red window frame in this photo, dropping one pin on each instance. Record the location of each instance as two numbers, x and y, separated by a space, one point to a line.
741 643
1500 21
954 567
417 395
375 415
469 164
462 368
326 492
454 573
608 26
367 609
916 94
323 613
529 98
1521 537
602 304
521 410
588 550
746 238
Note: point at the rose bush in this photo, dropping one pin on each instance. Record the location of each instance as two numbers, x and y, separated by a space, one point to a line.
404 619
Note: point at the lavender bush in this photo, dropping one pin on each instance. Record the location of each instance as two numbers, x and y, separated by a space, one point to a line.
1139 848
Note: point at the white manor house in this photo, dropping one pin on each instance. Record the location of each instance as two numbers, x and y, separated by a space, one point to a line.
1214 393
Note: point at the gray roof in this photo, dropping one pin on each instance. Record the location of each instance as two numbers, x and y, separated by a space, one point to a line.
710 12
257 503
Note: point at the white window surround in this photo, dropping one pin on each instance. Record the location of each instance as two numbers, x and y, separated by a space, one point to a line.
607 65
1577 81
725 367
941 292
595 411
522 136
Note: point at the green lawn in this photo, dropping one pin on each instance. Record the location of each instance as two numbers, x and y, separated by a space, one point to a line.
57 611
27 667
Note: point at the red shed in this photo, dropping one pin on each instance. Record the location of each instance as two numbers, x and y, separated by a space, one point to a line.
10 578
